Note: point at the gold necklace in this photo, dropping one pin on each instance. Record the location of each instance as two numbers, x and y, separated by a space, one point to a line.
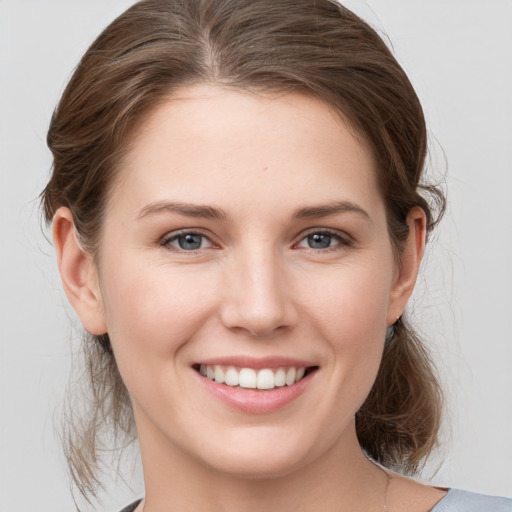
388 480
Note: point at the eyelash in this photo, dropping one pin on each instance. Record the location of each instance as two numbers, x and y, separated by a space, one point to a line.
167 240
343 240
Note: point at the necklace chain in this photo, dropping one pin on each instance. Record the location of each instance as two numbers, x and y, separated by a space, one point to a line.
388 480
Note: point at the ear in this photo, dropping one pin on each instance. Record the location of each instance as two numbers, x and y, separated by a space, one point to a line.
78 273
409 265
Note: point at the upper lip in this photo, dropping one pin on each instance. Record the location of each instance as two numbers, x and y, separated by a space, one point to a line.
257 362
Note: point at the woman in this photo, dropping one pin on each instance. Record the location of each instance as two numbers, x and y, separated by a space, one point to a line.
238 221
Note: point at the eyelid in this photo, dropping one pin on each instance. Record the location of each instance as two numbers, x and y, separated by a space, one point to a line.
169 237
345 240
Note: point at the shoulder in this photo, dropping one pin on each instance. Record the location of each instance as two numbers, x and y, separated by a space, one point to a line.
464 501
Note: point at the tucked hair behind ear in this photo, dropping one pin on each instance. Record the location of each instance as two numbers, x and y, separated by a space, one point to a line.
313 46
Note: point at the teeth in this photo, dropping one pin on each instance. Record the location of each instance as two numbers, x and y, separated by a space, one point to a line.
253 379
266 379
290 376
247 378
219 375
280 378
232 378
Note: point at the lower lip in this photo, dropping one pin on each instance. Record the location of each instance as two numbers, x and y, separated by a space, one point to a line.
256 402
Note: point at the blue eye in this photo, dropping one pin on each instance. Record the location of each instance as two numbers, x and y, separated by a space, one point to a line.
321 240
188 241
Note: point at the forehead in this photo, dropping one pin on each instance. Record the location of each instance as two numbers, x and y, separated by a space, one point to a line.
209 143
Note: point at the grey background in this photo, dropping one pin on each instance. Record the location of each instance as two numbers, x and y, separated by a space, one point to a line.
458 54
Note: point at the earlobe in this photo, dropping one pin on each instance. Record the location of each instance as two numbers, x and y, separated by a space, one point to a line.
410 261
78 273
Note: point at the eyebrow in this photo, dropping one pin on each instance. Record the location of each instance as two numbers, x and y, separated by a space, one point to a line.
210 212
313 212
185 209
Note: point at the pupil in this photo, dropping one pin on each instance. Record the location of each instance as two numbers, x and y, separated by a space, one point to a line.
319 241
190 242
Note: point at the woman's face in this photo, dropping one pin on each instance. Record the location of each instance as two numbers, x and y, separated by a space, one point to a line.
246 239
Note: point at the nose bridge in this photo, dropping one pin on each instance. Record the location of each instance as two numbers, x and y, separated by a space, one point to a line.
257 297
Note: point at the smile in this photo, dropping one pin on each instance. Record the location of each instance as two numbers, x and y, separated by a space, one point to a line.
251 378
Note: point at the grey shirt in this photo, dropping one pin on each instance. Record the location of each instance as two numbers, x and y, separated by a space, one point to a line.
464 501
454 501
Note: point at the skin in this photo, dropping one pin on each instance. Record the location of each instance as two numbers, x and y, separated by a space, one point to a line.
254 288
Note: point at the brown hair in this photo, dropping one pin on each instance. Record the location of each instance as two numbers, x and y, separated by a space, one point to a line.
313 46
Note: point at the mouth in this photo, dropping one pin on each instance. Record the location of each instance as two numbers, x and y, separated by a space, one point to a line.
247 378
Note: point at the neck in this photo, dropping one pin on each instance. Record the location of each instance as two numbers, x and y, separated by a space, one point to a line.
341 480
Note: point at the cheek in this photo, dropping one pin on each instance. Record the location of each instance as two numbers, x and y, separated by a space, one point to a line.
152 313
349 309
350 302
152 309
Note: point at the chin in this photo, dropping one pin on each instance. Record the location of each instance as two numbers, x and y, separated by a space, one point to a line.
257 466
261 455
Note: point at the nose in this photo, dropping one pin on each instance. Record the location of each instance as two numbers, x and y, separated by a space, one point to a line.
257 296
